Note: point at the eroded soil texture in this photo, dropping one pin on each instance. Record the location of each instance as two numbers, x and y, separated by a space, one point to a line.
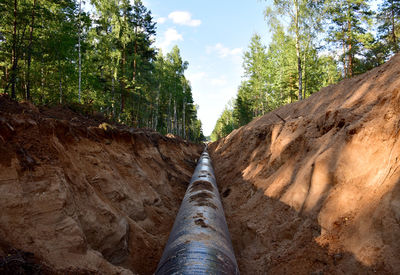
81 197
314 187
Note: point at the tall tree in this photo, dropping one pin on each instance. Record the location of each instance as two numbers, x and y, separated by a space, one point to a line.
273 70
14 60
243 107
79 51
302 24
29 51
348 19
225 123
254 64
389 23
51 52
143 53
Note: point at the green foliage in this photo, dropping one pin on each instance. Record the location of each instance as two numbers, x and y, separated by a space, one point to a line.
347 31
254 64
42 33
225 124
271 79
304 23
389 25
294 65
174 109
122 74
242 112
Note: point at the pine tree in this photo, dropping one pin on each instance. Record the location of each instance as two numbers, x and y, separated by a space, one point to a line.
347 21
243 108
141 52
304 20
254 63
225 124
389 24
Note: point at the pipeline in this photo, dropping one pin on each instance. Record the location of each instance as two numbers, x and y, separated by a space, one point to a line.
199 242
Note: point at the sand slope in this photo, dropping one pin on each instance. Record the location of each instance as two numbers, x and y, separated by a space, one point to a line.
315 186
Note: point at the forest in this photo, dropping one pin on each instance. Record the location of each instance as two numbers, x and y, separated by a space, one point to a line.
314 44
102 60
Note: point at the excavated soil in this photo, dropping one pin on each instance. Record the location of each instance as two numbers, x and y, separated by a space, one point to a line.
78 196
314 187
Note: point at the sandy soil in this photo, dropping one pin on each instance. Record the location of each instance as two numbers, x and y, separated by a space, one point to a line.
314 187
83 197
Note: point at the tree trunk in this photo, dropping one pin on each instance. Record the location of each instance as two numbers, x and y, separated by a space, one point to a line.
14 60
42 85
79 52
305 72
137 116
183 118
350 68
23 83
113 94
344 57
122 84
175 120
134 61
260 94
29 50
350 57
396 47
299 68
134 79
59 82
157 107
349 47
123 72
5 78
169 114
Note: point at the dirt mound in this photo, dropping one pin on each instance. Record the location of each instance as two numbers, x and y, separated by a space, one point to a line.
80 197
314 187
77 114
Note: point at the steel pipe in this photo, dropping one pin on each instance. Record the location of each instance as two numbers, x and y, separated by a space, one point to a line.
199 242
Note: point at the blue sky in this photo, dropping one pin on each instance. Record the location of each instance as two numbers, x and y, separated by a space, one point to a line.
212 36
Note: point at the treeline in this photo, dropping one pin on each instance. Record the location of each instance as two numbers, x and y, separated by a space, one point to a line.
314 44
53 52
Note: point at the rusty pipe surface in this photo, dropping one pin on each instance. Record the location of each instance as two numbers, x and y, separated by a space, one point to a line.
199 242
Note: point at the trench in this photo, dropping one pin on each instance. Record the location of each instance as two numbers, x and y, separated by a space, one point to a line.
199 242
315 193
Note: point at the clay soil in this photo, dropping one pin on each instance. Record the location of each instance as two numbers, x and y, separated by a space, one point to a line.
314 187
79 196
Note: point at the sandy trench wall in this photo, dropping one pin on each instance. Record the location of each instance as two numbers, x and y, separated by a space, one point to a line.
314 187
89 200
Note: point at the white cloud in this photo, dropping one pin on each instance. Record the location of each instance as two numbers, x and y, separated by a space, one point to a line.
199 76
145 3
184 18
211 91
170 35
223 51
204 77
236 51
161 20
219 81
